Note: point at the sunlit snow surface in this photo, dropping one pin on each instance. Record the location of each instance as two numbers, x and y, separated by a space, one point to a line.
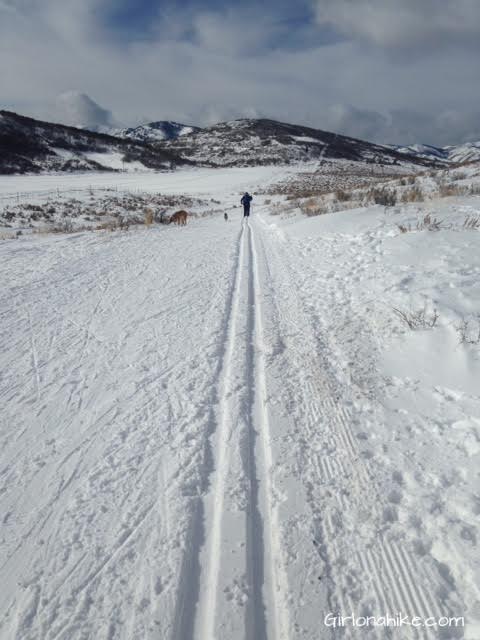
225 430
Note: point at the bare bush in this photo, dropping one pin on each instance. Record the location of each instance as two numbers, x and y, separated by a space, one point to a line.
113 225
468 330
447 189
385 197
342 195
414 194
148 219
312 207
426 224
472 222
429 224
64 227
474 189
419 319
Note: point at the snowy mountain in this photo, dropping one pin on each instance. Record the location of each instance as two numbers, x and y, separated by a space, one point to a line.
32 146
28 145
250 142
467 152
154 131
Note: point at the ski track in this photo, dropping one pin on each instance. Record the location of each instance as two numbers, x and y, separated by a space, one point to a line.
241 558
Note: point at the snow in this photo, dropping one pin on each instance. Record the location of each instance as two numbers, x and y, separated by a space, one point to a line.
114 160
195 181
226 431
467 152
307 139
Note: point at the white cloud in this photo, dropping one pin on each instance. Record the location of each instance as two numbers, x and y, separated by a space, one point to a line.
77 109
404 23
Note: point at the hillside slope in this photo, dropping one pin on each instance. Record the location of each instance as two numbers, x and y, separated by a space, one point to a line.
453 154
154 131
262 142
33 146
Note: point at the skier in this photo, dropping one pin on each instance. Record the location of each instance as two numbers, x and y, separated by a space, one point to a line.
247 198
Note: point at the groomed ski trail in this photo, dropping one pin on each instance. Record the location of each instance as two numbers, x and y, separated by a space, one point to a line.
243 590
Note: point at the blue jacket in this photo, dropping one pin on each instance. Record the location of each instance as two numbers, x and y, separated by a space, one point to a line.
247 198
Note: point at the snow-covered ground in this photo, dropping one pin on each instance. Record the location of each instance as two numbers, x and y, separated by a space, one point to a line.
227 431
185 182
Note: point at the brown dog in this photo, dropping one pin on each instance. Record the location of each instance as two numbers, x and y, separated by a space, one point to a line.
179 217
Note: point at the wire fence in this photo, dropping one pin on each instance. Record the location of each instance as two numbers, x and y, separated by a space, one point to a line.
20 196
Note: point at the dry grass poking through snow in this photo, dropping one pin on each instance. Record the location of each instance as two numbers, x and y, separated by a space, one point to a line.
468 330
418 319
427 223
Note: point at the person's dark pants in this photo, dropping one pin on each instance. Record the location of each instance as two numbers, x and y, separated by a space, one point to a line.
246 212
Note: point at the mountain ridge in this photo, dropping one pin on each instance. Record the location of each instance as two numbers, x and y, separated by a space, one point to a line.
247 141
28 145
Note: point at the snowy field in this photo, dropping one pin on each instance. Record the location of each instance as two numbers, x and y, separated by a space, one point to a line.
230 432
186 182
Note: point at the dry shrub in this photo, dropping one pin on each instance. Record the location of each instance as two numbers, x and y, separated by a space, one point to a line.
65 227
108 226
446 190
312 207
426 224
430 224
382 196
472 222
418 319
413 195
342 195
148 219
469 331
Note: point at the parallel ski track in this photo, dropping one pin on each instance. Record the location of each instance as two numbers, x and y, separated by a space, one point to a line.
266 614
208 602
275 569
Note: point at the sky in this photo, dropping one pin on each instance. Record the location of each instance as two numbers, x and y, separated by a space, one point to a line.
392 71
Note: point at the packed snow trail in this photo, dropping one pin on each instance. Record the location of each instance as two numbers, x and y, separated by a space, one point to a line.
185 452
242 557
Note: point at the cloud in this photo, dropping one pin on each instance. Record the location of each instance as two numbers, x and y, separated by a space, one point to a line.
404 24
77 109
199 66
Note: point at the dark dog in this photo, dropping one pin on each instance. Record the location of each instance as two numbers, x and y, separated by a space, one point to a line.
225 215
